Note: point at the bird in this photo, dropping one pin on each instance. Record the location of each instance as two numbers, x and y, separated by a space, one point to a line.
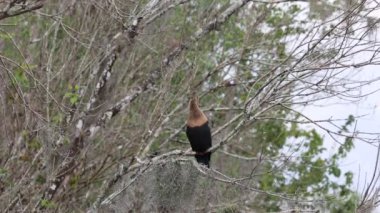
198 132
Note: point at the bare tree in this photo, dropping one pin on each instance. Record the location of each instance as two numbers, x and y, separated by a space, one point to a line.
94 99
11 8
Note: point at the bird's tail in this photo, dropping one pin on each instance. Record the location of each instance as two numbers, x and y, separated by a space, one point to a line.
204 158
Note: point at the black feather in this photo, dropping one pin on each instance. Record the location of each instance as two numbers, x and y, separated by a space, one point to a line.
204 159
200 141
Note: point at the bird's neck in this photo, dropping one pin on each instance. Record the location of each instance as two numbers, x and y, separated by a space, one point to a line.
196 116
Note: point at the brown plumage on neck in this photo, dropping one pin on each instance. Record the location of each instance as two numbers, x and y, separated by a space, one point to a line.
196 116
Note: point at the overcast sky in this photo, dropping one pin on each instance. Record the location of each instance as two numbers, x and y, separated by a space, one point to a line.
361 160
362 157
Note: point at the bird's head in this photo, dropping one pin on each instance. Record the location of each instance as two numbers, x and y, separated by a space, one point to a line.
194 102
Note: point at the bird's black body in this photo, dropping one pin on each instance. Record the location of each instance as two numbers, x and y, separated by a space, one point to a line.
199 137
200 141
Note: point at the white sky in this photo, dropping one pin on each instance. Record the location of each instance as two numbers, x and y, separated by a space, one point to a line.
361 160
362 157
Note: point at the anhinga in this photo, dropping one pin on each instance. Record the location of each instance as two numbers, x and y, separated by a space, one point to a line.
198 132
